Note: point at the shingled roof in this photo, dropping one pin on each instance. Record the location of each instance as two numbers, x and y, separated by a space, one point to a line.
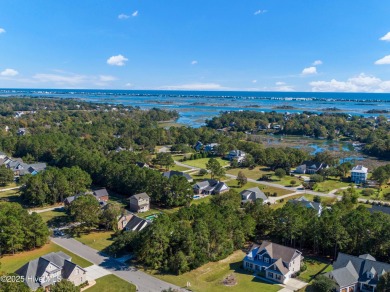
277 251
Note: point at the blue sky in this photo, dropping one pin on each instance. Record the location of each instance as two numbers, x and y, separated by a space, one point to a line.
269 45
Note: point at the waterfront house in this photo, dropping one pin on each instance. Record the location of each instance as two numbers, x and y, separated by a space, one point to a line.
352 273
359 174
310 167
169 174
210 187
273 261
253 194
140 203
49 269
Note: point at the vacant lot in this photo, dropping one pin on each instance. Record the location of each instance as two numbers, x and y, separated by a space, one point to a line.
315 266
111 283
254 173
10 263
55 218
209 277
97 240
201 163
233 184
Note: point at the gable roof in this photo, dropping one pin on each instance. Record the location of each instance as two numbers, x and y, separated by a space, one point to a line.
140 196
279 266
205 183
252 194
100 193
306 203
358 267
169 174
137 224
277 251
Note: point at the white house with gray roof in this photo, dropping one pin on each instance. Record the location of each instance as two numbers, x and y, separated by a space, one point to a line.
274 261
51 268
302 201
210 187
253 194
359 174
140 203
352 273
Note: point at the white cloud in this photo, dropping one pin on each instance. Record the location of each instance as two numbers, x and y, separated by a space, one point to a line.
9 72
135 13
123 16
317 63
60 79
360 83
279 83
118 60
194 62
309 71
384 61
106 78
260 12
2 30
129 84
254 81
386 37
284 88
194 86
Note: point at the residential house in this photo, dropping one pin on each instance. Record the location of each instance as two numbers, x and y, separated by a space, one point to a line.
302 201
169 174
21 132
310 167
101 195
20 168
142 164
212 147
137 224
123 219
253 194
49 269
140 203
210 187
198 146
359 174
352 273
274 261
236 155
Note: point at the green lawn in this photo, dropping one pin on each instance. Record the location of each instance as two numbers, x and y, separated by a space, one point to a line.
329 185
97 240
148 213
179 168
202 200
233 184
120 199
10 185
255 173
10 196
111 283
201 163
315 266
11 263
209 277
55 218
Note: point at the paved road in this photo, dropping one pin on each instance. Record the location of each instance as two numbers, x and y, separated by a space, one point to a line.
143 281
44 210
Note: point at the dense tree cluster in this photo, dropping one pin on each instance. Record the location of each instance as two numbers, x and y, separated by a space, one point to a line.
382 174
54 185
374 132
20 230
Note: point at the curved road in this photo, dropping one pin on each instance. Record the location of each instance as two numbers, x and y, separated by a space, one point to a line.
143 281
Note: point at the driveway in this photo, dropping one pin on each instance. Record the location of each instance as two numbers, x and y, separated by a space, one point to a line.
143 281
95 272
294 284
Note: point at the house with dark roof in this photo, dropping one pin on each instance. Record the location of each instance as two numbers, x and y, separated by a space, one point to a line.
302 201
237 155
101 195
352 273
276 262
123 219
51 268
137 224
210 187
20 168
140 203
310 167
142 164
253 194
169 174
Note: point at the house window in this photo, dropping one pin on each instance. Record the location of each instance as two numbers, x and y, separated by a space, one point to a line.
260 257
271 275
77 271
278 277
266 260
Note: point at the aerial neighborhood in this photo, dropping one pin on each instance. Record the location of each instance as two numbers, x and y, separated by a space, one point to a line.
227 206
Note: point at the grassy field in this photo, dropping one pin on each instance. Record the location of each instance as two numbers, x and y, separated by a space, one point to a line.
10 196
11 263
255 173
111 283
55 218
201 163
179 168
10 185
315 266
97 240
209 277
202 200
329 185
